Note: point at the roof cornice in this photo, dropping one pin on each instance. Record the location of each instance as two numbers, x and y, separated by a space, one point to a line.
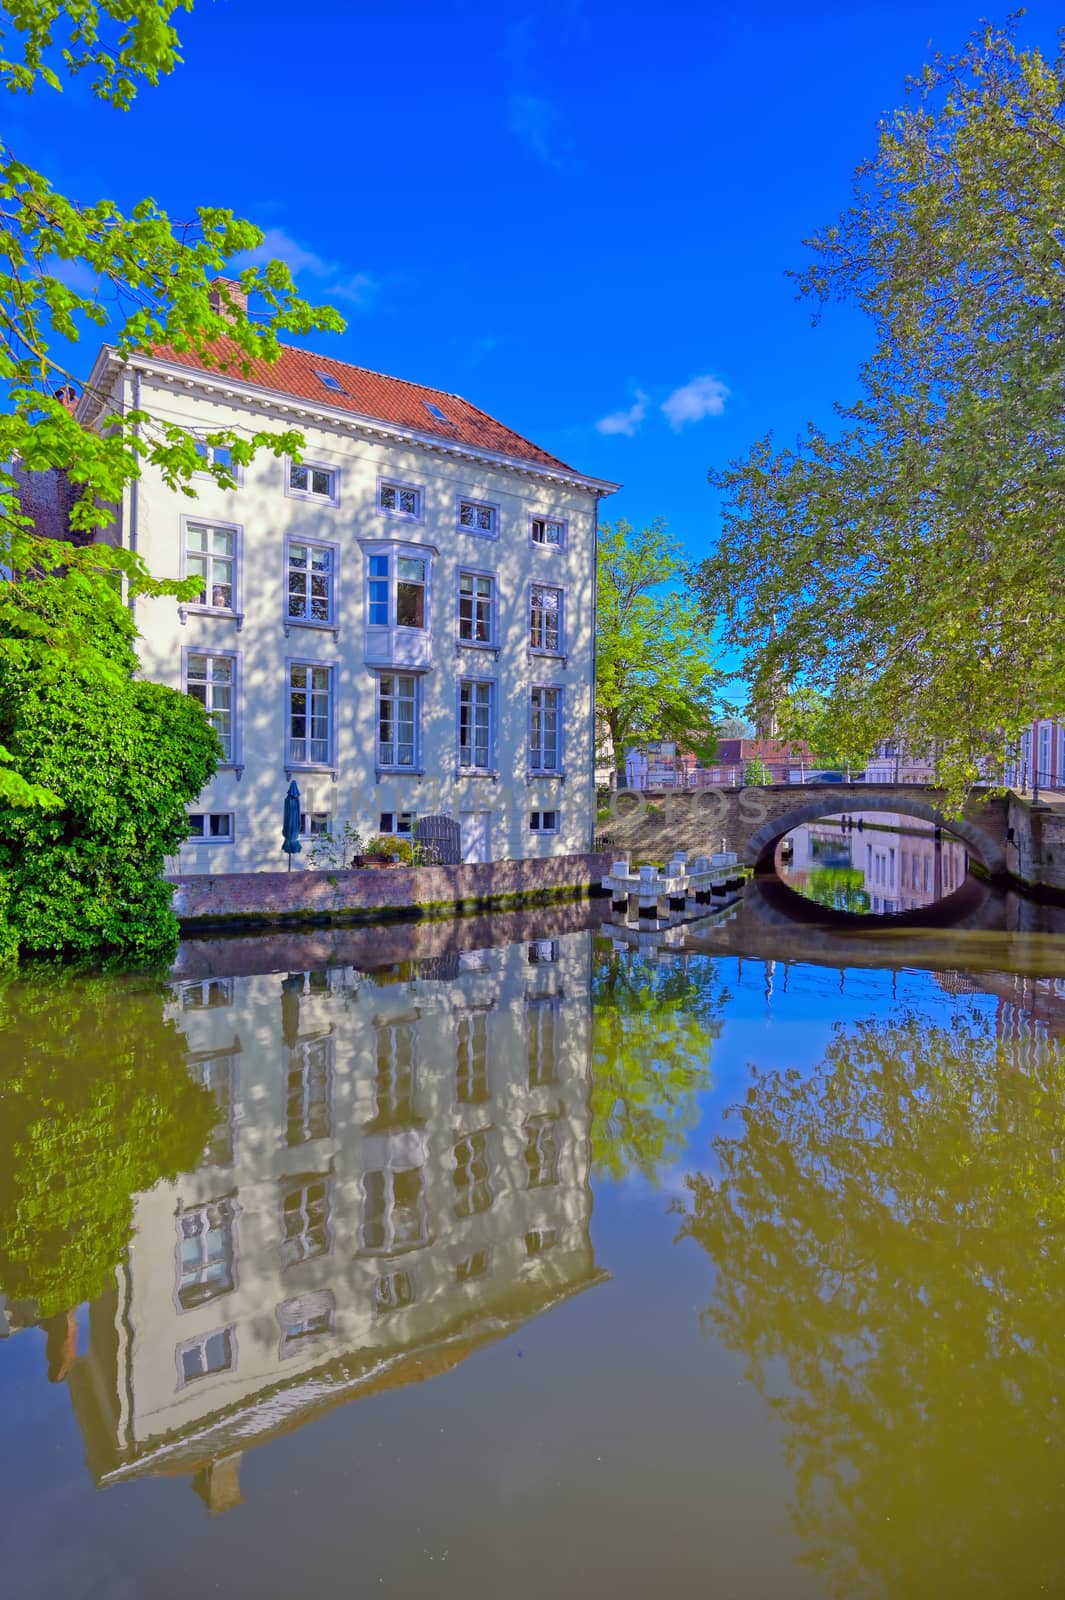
230 386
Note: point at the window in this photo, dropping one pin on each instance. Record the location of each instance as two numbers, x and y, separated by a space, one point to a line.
400 500
211 555
206 994
394 1214
310 590
395 1085
545 715
210 678
306 481
329 380
537 1240
397 719
542 950
473 1187
476 517
304 1219
543 821
208 825
541 1151
217 1074
310 714
475 724
392 1291
541 1021
378 586
398 822
314 823
474 1266
410 592
435 411
216 455
304 1321
309 1099
545 622
206 1354
548 530
471 1059
206 1253
476 608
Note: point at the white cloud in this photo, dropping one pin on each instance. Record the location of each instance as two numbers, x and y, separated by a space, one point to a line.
536 123
277 245
625 422
702 397
360 288
77 275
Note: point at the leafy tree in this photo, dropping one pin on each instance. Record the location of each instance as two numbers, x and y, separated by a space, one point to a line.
653 1032
913 568
885 1232
97 1106
756 771
805 717
154 286
655 675
735 728
123 757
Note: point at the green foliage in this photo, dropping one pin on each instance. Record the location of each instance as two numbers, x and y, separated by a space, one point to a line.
756 772
336 850
839 888
124 759
912 568
655 674
653 1033
152 285
96 1104
885 1232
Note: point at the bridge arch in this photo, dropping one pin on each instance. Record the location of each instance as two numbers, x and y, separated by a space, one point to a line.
977 840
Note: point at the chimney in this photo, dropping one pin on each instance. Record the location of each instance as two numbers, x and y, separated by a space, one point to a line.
67 396
235 292
218 1484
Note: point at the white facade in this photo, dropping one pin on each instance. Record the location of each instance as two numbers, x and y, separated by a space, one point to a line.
400 1172
405 625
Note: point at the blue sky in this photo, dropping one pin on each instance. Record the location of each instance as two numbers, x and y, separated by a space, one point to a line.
569 212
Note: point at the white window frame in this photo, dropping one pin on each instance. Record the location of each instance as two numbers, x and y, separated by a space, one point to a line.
304 1308
234 759
477 1194
559 769
226 1206
234 611
543 1139
489 767
310 765
200 437
210 838
492 642
546 544
473 1056
399 485
330 499
477 505
332 625
391 1244
291 1185
384 1300
415 765
199 1341
394 828
394 554
558 650
536 822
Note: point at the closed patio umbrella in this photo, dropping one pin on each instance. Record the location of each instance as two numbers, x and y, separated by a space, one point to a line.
290 842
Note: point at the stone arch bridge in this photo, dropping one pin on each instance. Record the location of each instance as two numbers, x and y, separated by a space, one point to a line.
754 819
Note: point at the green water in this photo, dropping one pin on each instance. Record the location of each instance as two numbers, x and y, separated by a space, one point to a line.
494 1258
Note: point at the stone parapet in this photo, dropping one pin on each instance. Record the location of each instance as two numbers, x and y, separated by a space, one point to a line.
219 900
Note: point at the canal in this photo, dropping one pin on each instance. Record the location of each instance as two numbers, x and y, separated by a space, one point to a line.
495 1258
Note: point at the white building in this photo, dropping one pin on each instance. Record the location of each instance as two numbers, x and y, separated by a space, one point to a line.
404 622
399 1174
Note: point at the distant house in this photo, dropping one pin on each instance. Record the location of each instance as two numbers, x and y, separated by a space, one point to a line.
659 764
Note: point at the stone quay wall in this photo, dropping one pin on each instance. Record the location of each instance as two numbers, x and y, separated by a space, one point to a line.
232 899
1035 845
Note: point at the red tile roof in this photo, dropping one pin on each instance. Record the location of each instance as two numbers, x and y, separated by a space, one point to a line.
369 394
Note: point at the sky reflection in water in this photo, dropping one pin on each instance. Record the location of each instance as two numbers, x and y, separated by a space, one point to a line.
541 1264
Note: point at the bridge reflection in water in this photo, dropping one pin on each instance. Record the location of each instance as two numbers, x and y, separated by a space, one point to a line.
399 1173
872 862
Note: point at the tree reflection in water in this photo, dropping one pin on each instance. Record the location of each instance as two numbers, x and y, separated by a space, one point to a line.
96 1104
889 1232
654 1028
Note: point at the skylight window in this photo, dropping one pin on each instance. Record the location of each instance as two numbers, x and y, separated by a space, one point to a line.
328 379
435 411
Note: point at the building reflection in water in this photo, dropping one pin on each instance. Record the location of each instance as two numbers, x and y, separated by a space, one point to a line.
399 1173
881 862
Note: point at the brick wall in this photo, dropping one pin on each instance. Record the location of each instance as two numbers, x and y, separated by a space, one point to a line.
48 498
326 896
